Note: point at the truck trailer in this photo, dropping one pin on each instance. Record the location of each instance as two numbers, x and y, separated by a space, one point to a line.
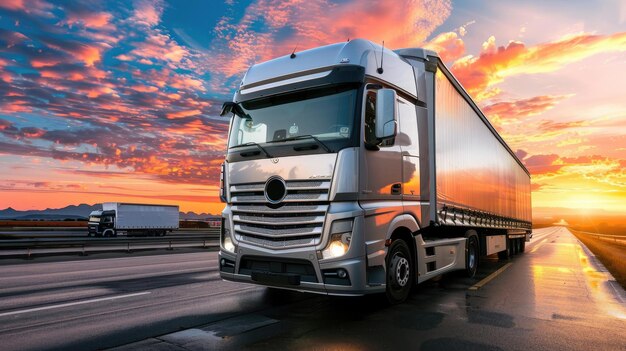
353 169
118 218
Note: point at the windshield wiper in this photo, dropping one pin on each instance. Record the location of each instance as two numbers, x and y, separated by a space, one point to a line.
306 136
252 143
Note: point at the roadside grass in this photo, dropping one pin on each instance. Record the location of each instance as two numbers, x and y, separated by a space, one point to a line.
611 255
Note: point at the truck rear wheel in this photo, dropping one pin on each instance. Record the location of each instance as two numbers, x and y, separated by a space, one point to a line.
504 255
522 245
515 243
471 256
400 272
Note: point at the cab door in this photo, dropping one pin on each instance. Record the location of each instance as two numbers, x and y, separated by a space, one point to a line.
408 142
382 179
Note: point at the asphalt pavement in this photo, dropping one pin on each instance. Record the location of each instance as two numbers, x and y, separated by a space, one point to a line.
553 297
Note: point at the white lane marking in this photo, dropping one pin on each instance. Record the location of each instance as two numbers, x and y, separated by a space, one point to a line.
73 303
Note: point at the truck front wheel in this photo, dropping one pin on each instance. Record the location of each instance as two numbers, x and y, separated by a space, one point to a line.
399 272
471 257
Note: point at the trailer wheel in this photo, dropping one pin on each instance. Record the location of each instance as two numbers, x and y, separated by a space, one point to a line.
399 272
522 245
471 257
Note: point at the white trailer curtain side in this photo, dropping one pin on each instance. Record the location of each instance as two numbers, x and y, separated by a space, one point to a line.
475 169
143 216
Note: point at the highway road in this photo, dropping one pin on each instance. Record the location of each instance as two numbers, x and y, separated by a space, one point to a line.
553 297
82 233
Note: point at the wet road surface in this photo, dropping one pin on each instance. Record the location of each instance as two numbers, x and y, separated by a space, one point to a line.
552 297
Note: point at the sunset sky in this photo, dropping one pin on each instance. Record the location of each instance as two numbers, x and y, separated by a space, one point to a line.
119 100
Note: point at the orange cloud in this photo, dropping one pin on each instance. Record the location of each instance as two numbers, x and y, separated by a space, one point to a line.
88 54
448 45
542 164
518 109
399 23
479 74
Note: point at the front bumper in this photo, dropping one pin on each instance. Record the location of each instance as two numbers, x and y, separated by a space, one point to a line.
353 285
302 268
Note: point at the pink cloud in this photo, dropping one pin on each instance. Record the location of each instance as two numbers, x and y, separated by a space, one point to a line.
148 12
144 88
89 19
183 114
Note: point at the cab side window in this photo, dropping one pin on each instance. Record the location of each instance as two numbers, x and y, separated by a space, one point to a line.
370 121
370 117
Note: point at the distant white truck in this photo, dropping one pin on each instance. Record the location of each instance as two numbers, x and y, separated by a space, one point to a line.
118 218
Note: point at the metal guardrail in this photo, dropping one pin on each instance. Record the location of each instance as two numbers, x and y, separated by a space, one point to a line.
28 247
617 239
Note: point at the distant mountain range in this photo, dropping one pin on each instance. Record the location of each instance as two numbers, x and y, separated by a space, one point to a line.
81 211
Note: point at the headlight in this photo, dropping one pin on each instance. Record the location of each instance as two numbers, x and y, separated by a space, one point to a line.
339 243
227 240
228 244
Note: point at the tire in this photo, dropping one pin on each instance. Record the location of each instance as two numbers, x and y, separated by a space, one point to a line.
400 272
471 256
523 245
108 232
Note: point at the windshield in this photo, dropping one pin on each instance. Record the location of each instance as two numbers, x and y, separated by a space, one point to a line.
325 114
94 219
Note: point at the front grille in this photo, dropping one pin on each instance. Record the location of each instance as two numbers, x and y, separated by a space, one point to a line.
297 221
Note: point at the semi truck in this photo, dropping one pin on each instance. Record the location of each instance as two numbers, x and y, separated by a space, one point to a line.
129 219
353 169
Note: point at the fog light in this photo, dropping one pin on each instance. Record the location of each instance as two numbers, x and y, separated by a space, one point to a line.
228 244
222 262
342 273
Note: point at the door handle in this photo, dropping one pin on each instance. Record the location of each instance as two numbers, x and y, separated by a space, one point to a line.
396 189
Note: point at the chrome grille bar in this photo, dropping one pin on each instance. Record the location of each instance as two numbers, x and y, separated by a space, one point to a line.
298 221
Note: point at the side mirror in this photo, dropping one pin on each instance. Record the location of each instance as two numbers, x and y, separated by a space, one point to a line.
386 125
227 108
232 107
